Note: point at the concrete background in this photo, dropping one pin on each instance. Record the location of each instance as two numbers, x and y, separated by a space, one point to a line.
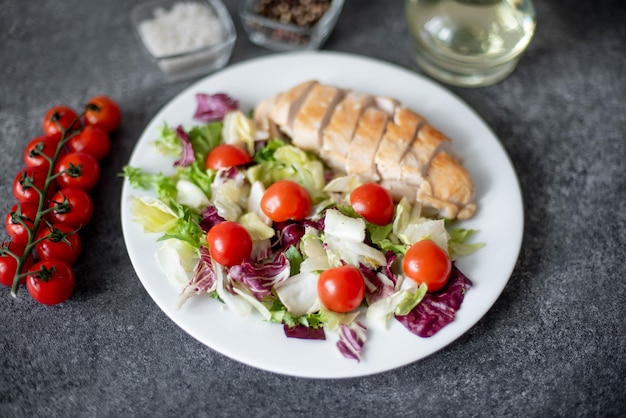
554 344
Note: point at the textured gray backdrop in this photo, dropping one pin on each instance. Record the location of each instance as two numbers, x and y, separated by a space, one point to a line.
554 344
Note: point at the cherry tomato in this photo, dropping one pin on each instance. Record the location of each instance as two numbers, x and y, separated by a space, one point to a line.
341 289
286 200
60 242
226 156
426 262
103 112
8 263
37 147
91 140
74 207
60 115
51 282
84 165
25 183
229 243
17 231
373 202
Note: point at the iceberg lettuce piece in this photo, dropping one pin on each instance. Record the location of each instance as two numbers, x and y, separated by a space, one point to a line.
343 227
152 214
398 303
257 229
229 194
177 259
344 239
241 306
299 293
434 229
239 130
187 193
286 162
257 190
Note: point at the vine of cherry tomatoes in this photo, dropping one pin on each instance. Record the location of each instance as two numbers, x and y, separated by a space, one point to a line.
53 202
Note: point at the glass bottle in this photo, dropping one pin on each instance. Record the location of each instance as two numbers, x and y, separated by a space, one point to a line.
469 43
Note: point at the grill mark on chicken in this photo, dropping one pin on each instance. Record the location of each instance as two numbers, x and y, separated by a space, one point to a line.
382 141
314 115
365 142
288 105
340 130
400 133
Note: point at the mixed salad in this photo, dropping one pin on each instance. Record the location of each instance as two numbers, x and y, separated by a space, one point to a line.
261 225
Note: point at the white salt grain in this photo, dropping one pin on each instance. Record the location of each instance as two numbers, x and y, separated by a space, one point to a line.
186 27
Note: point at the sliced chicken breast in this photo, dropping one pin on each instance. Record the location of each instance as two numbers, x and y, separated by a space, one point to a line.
376 139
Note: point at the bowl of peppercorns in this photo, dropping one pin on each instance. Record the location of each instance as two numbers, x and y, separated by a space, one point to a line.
287 25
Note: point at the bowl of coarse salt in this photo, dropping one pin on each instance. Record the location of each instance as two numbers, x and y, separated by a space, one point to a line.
185 38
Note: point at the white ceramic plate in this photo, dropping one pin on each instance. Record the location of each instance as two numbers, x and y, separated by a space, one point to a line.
263 345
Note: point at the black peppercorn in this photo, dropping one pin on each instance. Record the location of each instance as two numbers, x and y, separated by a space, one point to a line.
304 13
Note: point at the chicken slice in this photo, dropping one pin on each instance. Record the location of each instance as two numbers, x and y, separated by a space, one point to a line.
398 137
338 134
364 145
313 116
447 187
287 104
416 161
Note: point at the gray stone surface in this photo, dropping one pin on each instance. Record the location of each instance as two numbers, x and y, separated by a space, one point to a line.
554 344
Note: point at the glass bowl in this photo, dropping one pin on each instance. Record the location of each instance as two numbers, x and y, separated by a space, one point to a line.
185 39
278 36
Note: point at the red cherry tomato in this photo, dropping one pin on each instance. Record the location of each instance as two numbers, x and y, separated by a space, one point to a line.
73 207
341 289
226 156
84 165
229 243
60 118
103 112
286 200
60 242
37 147
26 212
8 263
91 140
51 282
426 262
373 202
27 182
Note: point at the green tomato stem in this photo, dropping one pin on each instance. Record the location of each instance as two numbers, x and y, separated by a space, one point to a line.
66 135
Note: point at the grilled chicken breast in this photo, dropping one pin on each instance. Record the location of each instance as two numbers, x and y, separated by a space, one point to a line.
375 138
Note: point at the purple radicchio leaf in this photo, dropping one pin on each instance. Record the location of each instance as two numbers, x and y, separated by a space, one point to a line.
303 332
261 277
289 233
203 280
213 107
187 156
210 218
224 175
390 256
316 224
378 285
437 309
351 340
